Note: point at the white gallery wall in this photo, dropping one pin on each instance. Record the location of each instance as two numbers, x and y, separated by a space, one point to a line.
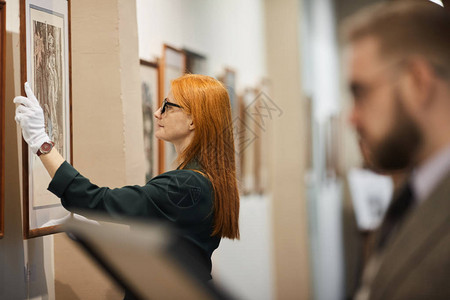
229 33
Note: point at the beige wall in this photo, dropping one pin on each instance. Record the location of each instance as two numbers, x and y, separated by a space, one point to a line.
289 216
107 125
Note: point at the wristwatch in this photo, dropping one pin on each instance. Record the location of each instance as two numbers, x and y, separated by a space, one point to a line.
45 148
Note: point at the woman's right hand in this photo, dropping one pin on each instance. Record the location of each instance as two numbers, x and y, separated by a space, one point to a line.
30 117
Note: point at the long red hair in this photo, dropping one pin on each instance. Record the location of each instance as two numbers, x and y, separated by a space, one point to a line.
207 101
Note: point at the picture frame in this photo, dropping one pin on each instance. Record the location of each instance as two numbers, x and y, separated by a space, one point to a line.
249 153
332 147
2 114
173 65
241 132
309 128
196 63
264 133
229 79
149 72
46 65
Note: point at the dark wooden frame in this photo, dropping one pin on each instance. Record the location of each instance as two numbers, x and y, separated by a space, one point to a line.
2 114
162 71
156 66
27 232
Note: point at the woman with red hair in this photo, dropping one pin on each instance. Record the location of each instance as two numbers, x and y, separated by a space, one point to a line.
200 197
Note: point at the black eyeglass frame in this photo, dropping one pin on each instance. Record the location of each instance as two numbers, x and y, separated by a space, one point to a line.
167 103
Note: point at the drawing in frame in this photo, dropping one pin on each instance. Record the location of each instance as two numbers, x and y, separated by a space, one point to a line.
229 80
149 72
263 130
2 114
46 65
173 66
248 169
196 63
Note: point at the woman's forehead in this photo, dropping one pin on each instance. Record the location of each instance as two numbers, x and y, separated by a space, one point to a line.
170 97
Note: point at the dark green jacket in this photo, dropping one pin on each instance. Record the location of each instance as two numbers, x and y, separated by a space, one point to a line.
183 198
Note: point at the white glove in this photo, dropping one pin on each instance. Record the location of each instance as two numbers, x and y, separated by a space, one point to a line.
30 116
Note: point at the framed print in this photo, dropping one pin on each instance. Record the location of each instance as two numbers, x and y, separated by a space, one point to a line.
332 139
229 80
173 66
149 72
309 132
263 130
2 114
195 63
249 169
45 64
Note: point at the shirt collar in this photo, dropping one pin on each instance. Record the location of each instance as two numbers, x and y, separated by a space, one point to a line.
429 174
192 165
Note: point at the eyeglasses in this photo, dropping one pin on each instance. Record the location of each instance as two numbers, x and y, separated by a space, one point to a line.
167 103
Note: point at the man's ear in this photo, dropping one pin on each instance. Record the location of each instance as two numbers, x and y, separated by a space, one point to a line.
421 82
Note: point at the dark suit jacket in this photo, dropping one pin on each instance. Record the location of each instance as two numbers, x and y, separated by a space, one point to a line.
415 263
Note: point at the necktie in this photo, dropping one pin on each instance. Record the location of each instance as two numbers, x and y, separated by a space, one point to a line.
396 213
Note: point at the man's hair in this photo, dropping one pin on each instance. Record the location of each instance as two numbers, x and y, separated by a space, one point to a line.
405 28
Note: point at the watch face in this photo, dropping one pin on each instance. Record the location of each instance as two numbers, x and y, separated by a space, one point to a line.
46 147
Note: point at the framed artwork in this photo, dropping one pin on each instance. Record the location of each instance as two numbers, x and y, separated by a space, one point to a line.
332 139
46 65
263 130
195 63
173 66
309 119
150 103
240 138
2 114
249 164
229 80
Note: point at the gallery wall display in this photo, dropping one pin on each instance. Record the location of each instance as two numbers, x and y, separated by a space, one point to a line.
196 63
46 65
264 123
229 80
150 103
332 148
2 113
173 65
249 142
308 122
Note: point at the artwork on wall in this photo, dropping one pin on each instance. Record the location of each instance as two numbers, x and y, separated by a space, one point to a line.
173 66
150 103
332 146
263 129
251 141
229 80
196 63
45 64
309 154
2 113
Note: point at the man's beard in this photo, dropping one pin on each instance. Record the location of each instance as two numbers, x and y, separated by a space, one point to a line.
399 148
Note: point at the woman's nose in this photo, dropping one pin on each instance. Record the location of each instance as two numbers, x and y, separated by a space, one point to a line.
157 113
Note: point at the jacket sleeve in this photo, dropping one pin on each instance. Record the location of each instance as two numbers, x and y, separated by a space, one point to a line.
181 196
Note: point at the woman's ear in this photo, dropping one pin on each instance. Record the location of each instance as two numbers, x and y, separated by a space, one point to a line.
191 123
